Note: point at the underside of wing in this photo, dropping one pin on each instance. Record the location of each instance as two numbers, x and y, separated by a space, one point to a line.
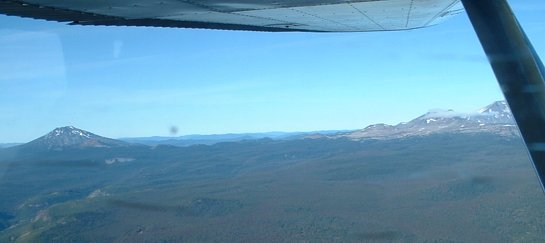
265 15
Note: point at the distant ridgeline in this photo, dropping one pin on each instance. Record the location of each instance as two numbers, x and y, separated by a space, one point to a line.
495 118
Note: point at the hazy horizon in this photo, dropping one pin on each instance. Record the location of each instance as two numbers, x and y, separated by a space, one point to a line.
177 135
174 134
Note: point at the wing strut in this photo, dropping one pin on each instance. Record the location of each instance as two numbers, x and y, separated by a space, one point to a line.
518 69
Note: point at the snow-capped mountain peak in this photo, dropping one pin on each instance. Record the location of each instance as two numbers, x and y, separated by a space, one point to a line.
72 137
496 107
497 112
68 131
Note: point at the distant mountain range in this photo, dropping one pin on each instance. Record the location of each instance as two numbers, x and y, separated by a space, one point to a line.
193 139
494 118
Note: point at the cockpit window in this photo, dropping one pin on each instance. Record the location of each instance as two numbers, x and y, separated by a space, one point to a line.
126 133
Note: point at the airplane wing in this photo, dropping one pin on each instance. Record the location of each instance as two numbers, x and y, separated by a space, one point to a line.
253 15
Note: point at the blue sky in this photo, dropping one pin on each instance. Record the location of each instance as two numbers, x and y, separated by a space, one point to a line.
134 81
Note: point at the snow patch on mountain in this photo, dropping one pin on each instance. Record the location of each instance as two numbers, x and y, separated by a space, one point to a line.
67 131
440 113
117 160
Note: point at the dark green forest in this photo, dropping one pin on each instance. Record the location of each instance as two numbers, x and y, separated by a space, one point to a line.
435 188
